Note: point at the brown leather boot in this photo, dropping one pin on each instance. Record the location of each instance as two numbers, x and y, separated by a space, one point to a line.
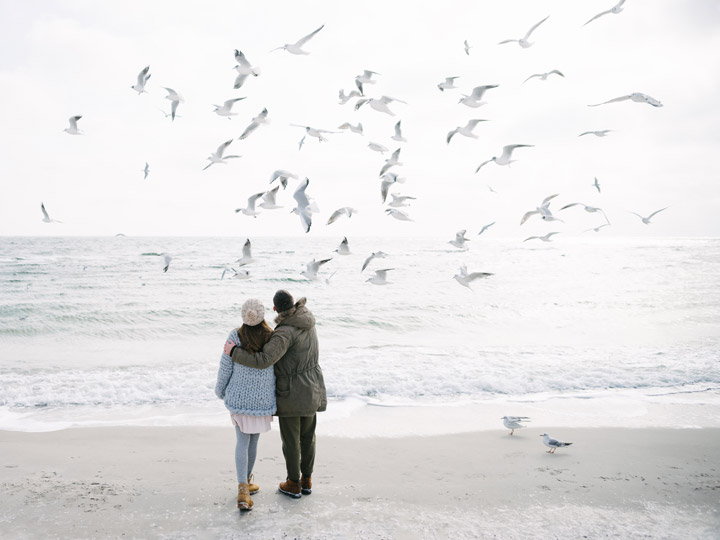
254 488
306 485
290 488
244 500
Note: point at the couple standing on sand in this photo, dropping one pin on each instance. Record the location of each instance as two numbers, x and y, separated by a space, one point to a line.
265 372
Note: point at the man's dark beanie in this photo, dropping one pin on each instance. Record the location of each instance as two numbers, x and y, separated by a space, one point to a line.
283 301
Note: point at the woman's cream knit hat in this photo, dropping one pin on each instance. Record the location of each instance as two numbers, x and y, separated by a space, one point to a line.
253 312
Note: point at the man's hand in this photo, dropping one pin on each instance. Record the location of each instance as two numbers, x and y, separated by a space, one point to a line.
228 347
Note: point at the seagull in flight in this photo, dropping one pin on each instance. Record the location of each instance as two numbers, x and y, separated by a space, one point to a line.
380 105
146 170
513 422
646 220
398 214
391 162
387 180
355 129
344 211
545 238
305 207
46 217
374 255
166 261
296 48
380 277
73 129
301 142
466 130
256 122
226 108
249 210
543 210
486 227
523 42
269 199
343 248
365 78
617 8
598 133
464 278
238 274
597 229
175 100
314 132
474 100
345 98
505 157
377 147
460 240
448 84
142 79
553 444
591 209
399 201
544 76
246 254
244 68
398 136
467 47
283 176
596 185
637 97
218 157
311 268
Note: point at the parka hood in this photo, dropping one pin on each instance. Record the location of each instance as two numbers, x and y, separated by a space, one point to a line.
298 316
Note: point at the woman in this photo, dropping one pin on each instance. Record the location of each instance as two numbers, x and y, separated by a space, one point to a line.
249 395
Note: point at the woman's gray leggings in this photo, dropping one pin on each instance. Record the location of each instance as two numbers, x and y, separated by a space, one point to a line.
245 453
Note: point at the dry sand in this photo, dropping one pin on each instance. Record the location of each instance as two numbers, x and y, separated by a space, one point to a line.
179 482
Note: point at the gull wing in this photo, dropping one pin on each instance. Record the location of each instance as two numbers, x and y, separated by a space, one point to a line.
479 91
253 198
482 165
240 80
300 42
532 29
477 275
73 121
222 148
300 196
42 207
527 215
143 76
657 212
269 196
241 60
614 100
606 12
549 198
248 130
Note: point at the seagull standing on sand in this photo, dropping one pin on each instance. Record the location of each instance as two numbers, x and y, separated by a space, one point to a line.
464 278
646 220
46 217
256 122
637 97
474 100
505 157
380 105
249 210
466 130
311 268
460 240
296 48
269 199
344 211
73 129
486 227
226 108
380 277
142 79
599 133
343 248
553 444
513 422
545 238
617 8
374 255
544 76
448 84
175 100
246 254
217 156
523 41
244 68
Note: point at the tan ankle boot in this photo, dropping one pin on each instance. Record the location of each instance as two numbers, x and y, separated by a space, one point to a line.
290 488
244 500
306 485
254 488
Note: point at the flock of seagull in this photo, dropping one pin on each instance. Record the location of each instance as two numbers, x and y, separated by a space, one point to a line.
306 207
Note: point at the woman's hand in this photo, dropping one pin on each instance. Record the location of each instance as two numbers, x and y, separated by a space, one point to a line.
228 347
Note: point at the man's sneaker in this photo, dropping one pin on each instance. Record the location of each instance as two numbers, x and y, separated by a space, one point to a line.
306 485
290 488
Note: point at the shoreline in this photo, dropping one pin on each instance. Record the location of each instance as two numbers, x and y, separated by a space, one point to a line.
170 482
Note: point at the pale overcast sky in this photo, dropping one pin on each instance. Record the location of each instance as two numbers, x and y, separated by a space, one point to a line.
80 57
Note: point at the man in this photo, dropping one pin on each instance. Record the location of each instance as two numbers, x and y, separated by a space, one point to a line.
299 388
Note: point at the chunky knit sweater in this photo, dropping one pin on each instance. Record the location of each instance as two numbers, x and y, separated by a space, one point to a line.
245 390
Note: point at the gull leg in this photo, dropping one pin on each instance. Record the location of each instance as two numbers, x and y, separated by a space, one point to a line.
513 431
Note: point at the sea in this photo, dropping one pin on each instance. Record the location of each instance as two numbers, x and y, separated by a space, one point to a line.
94 332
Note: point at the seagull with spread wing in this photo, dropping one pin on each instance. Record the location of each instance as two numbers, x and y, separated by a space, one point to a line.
523 41
296 48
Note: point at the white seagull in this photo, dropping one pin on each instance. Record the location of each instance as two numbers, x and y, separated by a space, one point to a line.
464 278
374 255
646 220
466 130
146 170
545 238
343 248
249 210
355 129
513 422
399 201
301 142
305 207
474 100
166 261
543 210
448 84
73 129
504 158
391 162
598 133
460 240
637 97
142 79
377 147
590 209
237 274
175 100
296 48
314 132
344 211
544 76
617 8
398 136
46 217
344 98
553 444
256 122
523 42
380 105
398 214
365 78
311 268
283 176
486 227
244 68
596 185
380 277
226 108
269 198
218 157
467 47
387 180
246 254
597 229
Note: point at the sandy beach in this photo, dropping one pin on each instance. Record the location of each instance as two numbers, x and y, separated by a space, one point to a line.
178 482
